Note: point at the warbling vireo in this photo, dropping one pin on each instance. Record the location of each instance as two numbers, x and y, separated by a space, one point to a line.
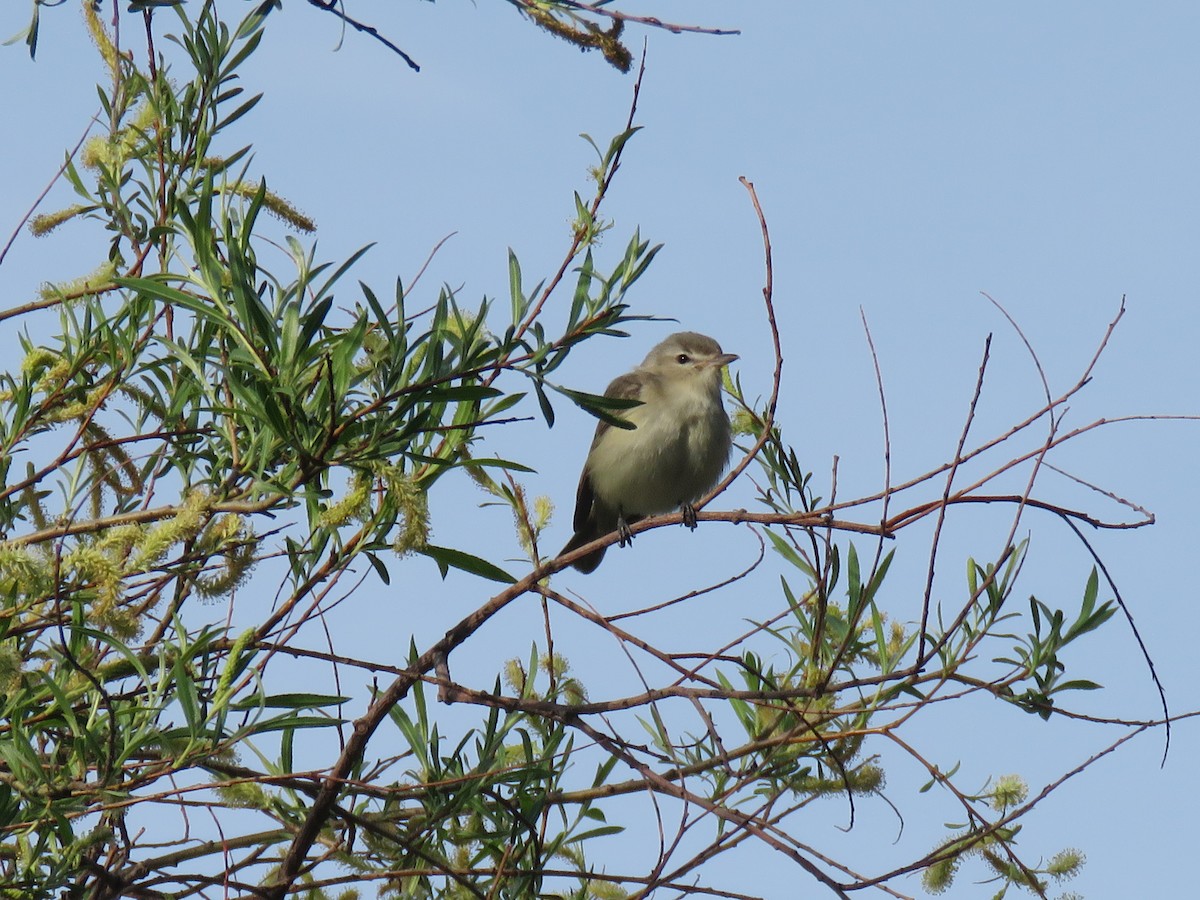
675 453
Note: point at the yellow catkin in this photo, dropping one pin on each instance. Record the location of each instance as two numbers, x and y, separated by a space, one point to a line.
156 541
104 43
101 277
22 573
413 502
275 205
353 506
40 226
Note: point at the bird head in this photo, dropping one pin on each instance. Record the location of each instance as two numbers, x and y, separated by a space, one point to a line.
689 355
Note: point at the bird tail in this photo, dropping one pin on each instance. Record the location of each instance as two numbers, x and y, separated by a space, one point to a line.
587 563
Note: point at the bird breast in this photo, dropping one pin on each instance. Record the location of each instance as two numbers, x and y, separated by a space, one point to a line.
675 454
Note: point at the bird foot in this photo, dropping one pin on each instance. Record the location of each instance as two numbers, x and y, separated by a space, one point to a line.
625 537
689 516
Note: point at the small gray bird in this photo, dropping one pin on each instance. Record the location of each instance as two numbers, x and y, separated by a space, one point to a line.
675 453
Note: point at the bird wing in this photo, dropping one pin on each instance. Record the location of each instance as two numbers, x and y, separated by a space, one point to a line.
584 496
624 387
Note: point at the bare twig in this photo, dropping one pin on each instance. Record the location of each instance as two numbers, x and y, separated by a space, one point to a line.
887 438
927 596
46 190
649 21
334 7
1137 635
777 373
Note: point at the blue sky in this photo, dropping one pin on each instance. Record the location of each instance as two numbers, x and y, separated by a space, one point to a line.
908 157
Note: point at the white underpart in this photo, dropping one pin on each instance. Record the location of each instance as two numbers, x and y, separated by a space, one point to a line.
676 453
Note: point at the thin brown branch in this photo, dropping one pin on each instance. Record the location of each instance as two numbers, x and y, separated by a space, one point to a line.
1137 635
734 817
777 373
94 120
334 8
691 595
927 595
887 439
593 208
649 21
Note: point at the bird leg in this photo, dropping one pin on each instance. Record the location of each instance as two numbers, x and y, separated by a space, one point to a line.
689 516
625 537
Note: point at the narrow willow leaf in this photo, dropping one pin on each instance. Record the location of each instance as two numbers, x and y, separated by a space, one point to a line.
448 557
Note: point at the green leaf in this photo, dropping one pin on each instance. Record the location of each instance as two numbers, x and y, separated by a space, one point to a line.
544 403
290 701
853 580
617 144
595 832
240 111
288 722
587 137
599 405
313 320
583 291
492 463
604 770
1091 591
880 574
1078 684
788 552
520 304
66 709
505 403
381 317
287 743
187 696
448 558
251 27
380 568
459 392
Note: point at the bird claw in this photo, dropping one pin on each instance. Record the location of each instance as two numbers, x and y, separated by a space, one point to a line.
624 536
689 516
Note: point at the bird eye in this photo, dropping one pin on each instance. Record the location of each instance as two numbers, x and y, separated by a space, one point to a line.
683 359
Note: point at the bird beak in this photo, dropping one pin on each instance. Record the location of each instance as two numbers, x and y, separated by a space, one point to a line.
724 359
